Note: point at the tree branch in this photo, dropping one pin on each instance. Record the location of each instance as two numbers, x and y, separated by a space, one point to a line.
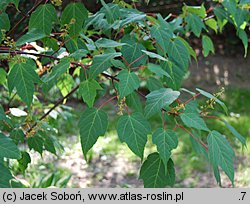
60 101
200 142
194 97
106 102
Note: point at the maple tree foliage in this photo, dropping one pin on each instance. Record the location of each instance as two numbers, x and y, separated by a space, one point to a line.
76 51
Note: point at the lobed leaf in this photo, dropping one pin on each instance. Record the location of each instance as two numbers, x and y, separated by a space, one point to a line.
179 54
101 63
158 70
221 153
166 141
74 15
128 82
154 84
43 18
191 117
132 51
195 24
5 177
8 148
107 43
243 36
31 36
159 99
236 133
24 161
88 91
93 124
163 37
207 45
133 130
4 24
36 142
154 174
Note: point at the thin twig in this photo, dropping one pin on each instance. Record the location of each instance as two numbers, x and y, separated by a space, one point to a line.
200 142
136 60
60 101
194 97
106 102
17 52
11 99
124 60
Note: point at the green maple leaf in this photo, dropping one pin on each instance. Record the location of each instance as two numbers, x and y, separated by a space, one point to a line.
22 77
133 129
88 91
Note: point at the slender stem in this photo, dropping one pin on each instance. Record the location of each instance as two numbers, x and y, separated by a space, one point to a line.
127 109
151 14
178 101
62 44
110 76
11 99
163 119
6 124
194 97
210 10
139 67
211 116
106 102
175 127
17 52
200 142
141 94
113 84
174 15
60 101
136 60
124 60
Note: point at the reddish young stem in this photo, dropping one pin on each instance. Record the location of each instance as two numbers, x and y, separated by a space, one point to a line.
136 60
210 10
139 67
151 14
27 47
178 101
211 116
174 15
106 102
175 127
62 44
194 97
124 60
186 130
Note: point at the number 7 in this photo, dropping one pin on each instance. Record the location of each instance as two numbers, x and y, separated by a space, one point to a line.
243 195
